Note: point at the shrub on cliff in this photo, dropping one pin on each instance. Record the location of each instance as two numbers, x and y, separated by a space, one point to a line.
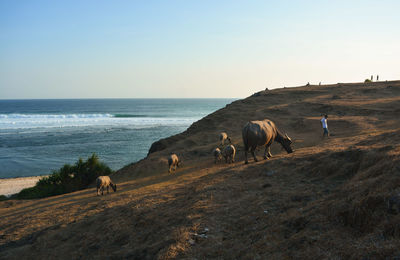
67 179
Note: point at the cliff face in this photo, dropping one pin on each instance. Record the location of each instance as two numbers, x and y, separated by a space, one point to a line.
332 198
296 111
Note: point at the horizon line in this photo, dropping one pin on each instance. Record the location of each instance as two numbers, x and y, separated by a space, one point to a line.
91 98
283 87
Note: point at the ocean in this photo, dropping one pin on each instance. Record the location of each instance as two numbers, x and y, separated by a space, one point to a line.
39 136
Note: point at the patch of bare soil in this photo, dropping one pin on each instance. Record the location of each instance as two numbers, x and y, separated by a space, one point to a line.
333 198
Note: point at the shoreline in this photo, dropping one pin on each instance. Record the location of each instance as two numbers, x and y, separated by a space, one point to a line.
10 186
60 125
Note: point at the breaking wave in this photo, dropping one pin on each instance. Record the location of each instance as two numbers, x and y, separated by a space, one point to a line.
24 121
52 116
128 115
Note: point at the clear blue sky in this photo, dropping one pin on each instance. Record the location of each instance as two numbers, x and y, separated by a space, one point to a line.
134 49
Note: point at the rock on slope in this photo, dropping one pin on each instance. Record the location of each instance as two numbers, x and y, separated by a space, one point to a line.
329 199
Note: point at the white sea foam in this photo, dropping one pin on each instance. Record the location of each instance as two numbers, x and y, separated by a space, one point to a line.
26 121
52 116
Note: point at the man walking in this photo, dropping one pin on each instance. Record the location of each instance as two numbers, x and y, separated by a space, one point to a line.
324 123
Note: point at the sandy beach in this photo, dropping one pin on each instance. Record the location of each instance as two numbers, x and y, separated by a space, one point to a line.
11 186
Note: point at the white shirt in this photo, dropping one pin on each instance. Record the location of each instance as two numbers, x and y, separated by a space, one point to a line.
324 122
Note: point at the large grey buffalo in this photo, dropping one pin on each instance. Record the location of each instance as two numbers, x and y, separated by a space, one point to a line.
259 133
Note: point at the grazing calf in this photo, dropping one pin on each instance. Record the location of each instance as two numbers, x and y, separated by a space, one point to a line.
229 153
103 182
224 136
217 155
173 162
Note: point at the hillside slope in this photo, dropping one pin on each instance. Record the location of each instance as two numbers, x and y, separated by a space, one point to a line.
329 199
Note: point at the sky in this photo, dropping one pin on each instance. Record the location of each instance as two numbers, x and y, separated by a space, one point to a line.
191 49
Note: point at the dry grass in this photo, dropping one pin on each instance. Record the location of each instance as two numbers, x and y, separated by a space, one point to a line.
328 200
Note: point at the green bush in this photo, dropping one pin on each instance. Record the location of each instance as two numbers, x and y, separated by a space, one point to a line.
367 81
2 197
67 179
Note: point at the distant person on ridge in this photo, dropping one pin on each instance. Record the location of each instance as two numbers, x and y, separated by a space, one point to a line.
324 123
377 77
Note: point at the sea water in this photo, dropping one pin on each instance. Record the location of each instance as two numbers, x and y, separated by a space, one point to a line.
39 136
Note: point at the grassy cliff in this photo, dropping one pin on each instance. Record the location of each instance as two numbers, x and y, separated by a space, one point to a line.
331 198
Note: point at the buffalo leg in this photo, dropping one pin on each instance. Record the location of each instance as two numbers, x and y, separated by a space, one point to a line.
245 157
254 154
267 152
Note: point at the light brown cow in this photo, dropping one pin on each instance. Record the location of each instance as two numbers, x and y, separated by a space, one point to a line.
104 182
224 136
173 162
217 155
229 153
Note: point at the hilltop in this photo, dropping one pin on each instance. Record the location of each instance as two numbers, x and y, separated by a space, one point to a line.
328 199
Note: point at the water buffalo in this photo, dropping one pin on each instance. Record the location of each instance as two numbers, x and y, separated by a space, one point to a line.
224 136
229 153
104 182
259 133
173 162
217 155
